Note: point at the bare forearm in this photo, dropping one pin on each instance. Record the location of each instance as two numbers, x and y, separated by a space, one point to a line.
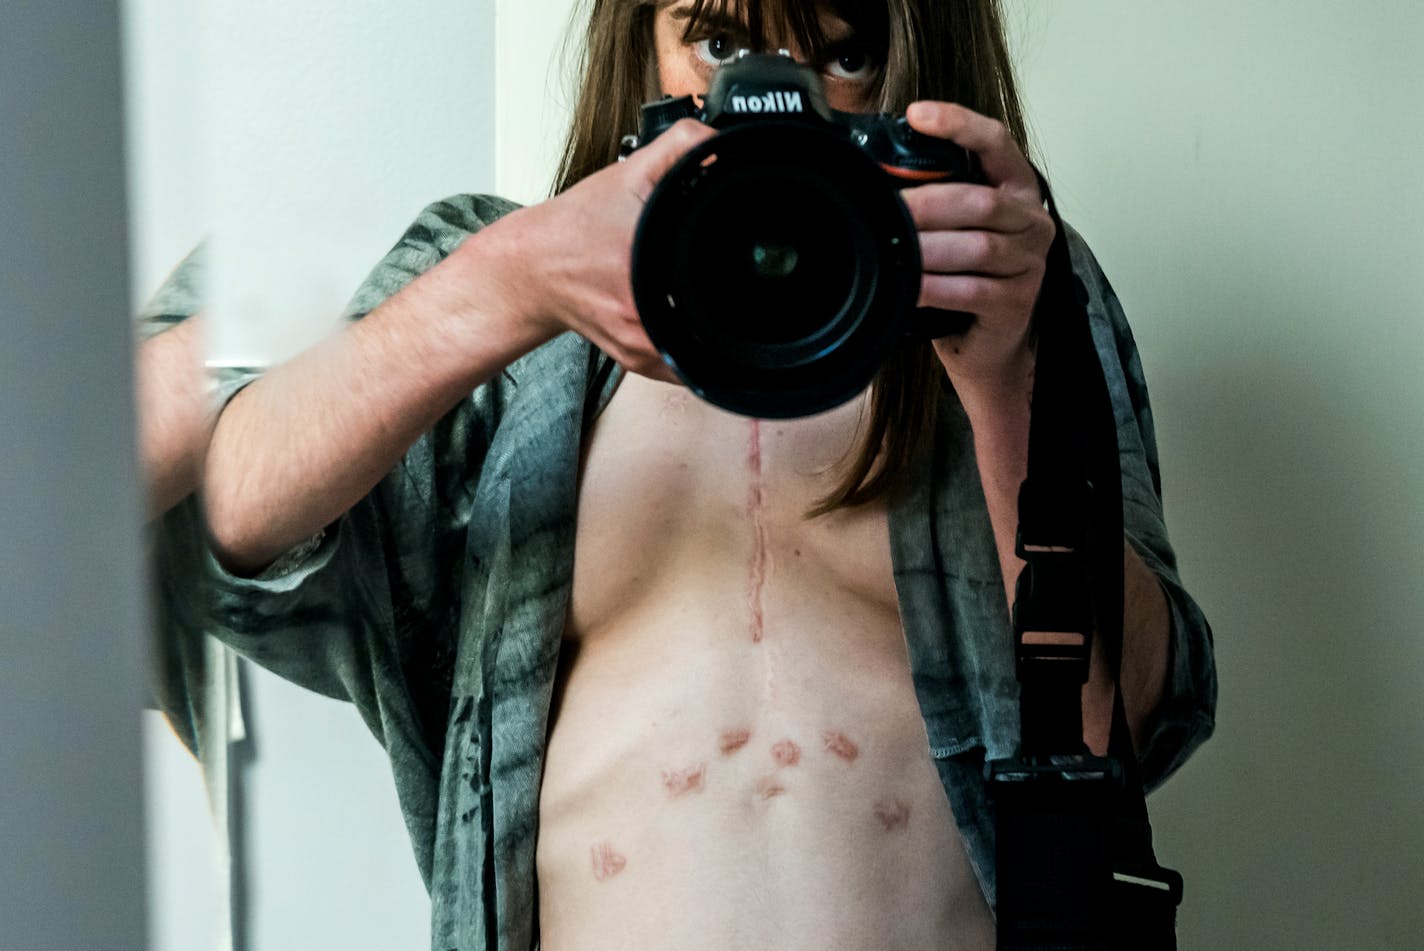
1000 423
175 419
300 446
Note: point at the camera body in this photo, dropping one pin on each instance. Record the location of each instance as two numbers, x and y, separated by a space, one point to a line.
757 87
775 266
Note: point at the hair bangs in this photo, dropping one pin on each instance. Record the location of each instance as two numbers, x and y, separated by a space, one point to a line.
769 24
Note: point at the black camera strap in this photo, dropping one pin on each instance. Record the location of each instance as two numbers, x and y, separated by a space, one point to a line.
1076 868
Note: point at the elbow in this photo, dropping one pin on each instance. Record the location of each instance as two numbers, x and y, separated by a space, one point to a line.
239 533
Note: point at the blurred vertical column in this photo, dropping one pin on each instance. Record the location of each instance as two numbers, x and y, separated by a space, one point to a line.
71 579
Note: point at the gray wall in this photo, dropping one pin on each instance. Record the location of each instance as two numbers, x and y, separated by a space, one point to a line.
71 605
1248 175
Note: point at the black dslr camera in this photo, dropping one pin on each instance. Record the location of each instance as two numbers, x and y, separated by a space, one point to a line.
775 265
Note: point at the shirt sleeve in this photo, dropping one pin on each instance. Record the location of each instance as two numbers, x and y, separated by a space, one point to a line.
1186 716
179 297
365 612
182 671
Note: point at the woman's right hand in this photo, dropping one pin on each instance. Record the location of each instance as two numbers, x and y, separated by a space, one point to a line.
568 260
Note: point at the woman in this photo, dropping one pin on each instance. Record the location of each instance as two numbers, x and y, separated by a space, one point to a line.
633 693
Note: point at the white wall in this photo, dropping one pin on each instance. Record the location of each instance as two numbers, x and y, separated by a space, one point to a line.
1247 173
307 137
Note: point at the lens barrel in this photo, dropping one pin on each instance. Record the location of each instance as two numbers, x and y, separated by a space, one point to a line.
774 267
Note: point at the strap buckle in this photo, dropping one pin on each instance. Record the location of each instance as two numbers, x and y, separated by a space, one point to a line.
1053 596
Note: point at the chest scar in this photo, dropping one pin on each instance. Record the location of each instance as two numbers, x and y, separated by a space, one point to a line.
756 504
892 814
786 753
838 744
732 740
606 861
680 782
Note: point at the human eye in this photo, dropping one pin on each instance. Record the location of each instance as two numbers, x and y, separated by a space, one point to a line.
716 49
850 62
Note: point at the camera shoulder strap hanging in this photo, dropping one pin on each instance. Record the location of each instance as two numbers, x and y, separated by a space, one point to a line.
1074 848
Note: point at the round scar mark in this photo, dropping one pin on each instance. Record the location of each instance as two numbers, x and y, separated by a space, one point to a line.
732 740
680 782
841 745
786 753
892 814
606 861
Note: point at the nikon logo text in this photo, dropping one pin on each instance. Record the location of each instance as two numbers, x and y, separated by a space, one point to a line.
769 102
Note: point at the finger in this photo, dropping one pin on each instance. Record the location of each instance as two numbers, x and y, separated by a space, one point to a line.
650 365
1003 160
958 205
975 252
661 371
653 162
970 293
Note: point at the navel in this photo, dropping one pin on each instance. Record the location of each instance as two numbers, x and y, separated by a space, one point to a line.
769 787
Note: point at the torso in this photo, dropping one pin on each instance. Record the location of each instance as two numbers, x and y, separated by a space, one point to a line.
736 759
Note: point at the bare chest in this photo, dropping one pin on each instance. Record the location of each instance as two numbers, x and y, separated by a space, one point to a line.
735 746
675 492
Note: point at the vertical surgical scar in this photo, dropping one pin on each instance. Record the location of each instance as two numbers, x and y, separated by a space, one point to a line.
786 753
892 814
756 502
606 862
841 745
680 782
732 740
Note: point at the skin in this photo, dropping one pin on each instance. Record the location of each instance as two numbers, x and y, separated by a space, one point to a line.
174 417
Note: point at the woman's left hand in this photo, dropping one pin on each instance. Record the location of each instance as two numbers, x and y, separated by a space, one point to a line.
984 249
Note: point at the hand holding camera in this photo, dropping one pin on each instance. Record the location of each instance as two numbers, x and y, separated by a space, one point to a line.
984 248
782 249
777 265
565 261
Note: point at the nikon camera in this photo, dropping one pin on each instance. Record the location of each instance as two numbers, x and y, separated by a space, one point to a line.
775 266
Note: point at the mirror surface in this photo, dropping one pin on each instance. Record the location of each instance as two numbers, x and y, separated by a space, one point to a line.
1245 177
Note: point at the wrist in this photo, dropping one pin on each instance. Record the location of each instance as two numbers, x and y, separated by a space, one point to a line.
493 270
1004 395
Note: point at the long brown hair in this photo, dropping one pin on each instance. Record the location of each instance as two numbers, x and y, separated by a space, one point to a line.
951 50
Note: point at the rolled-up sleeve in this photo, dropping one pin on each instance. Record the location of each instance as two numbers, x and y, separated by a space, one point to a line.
1186 715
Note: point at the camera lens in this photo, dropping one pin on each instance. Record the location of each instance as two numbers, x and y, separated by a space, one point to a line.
772 257
774 268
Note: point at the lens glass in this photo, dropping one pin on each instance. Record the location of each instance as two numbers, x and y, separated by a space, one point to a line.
772 255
